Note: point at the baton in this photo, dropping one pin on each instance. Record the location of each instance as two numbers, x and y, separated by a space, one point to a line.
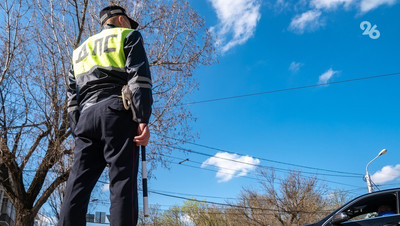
144 182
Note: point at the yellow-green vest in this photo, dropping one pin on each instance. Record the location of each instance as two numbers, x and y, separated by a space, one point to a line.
103 50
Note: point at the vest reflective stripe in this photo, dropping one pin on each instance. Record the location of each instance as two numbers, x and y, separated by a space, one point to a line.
140 79
103 50
140 85
71 109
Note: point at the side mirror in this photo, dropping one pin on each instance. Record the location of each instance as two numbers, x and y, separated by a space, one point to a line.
339 218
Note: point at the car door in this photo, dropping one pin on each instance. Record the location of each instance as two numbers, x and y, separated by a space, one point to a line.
392 220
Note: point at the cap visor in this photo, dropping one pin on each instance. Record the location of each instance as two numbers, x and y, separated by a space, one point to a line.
134 24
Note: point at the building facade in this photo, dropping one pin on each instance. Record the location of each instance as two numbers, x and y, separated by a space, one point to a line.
99 218
7 210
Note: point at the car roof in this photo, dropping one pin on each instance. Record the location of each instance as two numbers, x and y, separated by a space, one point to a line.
378 192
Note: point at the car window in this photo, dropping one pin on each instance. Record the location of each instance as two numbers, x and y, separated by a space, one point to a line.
373 206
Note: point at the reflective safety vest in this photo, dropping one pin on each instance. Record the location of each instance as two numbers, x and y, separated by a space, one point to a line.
104 50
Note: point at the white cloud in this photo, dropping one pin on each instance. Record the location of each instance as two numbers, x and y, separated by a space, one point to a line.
311 20
387 173
105 187
281 5
295 66
330 4
326 76
367 5
237 21
228 169
307 21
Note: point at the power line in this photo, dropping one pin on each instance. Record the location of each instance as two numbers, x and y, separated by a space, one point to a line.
268 160
252 164
236 206
329 181
192 195
200 163
278 179
173 193
169 193
196 195
208 196
253 178
212 212
289 89
211 170
176 193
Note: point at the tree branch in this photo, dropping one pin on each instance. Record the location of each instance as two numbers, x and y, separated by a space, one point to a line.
43 198
33 147
81 24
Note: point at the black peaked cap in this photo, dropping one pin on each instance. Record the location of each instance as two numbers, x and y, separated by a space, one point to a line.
114 10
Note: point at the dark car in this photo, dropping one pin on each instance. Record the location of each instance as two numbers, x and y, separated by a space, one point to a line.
379 208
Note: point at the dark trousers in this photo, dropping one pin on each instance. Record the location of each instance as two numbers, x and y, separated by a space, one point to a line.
104 135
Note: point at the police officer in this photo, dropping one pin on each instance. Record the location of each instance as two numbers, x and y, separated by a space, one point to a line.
104 131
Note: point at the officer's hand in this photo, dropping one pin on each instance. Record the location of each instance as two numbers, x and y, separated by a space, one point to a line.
143 135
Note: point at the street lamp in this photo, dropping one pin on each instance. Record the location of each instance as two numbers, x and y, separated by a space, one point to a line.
367 177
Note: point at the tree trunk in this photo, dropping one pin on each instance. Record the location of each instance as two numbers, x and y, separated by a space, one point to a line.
24 217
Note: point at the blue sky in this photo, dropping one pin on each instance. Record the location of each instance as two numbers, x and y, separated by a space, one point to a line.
280 44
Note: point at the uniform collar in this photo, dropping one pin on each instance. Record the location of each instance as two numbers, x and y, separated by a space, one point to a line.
108 26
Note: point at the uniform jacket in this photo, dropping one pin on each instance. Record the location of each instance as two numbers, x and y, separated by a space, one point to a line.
102 65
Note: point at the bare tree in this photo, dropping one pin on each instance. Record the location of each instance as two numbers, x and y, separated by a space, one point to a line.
337 198
154 216
192 212
37 40
294 200
256 209
34 126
